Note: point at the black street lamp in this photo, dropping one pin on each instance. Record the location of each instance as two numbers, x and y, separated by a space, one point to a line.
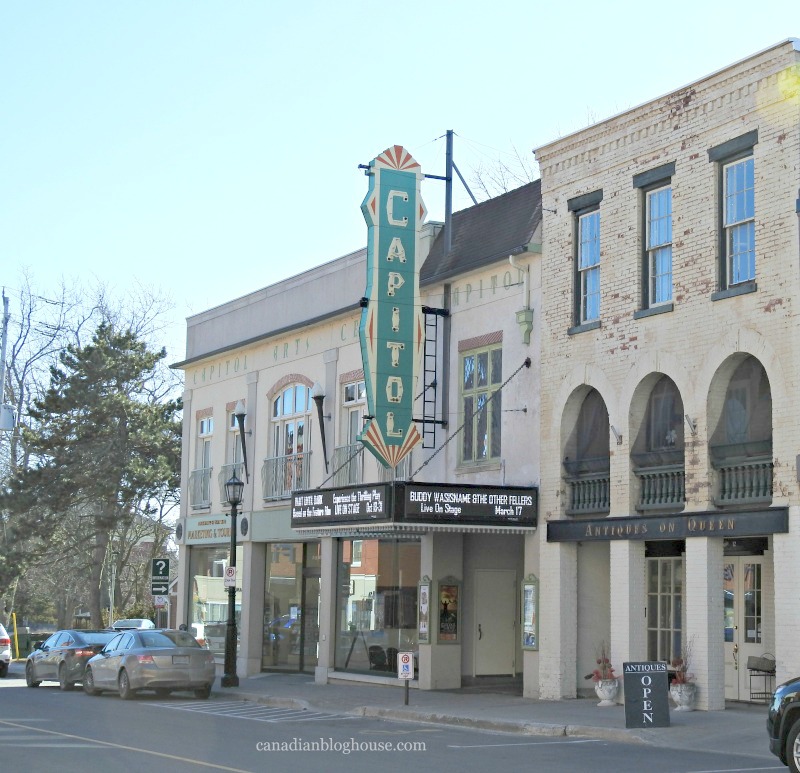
233 492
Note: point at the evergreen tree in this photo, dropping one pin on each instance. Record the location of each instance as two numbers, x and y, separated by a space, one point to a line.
103 446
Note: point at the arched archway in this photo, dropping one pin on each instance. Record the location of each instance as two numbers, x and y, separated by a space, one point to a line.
740 432
587 459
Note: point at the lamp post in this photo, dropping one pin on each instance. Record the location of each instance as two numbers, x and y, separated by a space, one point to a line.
233 491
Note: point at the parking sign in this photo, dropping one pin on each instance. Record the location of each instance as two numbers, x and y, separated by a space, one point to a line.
405 665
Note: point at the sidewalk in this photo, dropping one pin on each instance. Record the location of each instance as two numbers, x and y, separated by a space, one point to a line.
740 729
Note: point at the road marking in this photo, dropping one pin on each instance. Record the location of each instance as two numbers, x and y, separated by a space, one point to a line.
254 711
110 745
739 770
522 743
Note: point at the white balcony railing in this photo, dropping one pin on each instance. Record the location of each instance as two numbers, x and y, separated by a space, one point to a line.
227 472
200 487
281 475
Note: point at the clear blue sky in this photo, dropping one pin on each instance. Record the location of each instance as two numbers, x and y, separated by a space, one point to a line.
211 148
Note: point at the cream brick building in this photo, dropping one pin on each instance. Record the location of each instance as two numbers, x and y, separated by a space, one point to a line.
670 284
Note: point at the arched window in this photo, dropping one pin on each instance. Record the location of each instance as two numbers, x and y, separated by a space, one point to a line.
745 424
288 467
289 417
587 460
587 446
660 439
658 451
741 442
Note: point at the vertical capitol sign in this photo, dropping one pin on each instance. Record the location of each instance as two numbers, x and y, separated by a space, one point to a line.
392 329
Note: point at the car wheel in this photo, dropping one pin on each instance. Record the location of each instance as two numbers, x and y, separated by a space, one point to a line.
63 681
88 683
124 682
793 748
29 680
3 670
204 693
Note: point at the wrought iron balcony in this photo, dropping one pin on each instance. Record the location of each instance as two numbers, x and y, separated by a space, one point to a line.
200 487
227 472
281 475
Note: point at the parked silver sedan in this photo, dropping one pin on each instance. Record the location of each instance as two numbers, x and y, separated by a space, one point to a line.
161 660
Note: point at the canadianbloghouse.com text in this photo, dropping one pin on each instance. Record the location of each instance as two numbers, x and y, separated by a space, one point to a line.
347 746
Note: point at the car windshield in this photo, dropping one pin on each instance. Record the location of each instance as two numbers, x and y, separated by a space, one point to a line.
168 639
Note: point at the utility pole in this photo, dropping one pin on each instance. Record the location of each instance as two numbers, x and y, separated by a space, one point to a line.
7 420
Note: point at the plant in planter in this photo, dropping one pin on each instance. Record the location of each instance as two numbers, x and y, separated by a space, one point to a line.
683 689
606 682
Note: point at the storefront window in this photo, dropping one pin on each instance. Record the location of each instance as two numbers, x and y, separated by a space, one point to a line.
376 603
291 606
208 608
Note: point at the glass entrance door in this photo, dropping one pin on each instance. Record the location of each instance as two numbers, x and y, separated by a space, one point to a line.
291 607
742 586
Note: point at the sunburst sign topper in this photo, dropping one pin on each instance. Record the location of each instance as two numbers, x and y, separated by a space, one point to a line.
392 328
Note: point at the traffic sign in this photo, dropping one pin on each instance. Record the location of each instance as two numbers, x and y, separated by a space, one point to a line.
230 577
405 665
159 579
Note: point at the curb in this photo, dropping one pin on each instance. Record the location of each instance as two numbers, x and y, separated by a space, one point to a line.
450 720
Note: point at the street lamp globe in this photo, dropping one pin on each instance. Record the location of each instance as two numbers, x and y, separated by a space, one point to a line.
233 491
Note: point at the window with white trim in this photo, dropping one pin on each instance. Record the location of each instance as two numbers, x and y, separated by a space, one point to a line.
664 608
586 240
736 211
659 245
481 403
739 220
289 418
589 266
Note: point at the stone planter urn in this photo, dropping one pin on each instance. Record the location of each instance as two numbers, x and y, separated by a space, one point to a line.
606 690
683 695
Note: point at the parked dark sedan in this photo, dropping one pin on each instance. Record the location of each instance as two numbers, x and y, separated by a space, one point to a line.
783 724
62 657
160 659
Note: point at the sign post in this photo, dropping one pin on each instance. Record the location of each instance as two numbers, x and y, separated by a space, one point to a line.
405 670
159 577
646 694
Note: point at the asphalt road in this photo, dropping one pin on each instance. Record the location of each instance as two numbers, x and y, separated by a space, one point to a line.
45 729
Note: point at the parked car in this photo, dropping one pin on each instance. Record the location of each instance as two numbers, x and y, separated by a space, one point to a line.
62 657
160 659
783 724
131 623
5 652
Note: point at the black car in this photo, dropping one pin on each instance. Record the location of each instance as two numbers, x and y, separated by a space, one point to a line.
62 657
783 724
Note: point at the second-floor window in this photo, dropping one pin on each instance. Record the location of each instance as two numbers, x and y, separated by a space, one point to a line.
205 429
739 220
589 266
659 245
736 210
289 418
481 376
